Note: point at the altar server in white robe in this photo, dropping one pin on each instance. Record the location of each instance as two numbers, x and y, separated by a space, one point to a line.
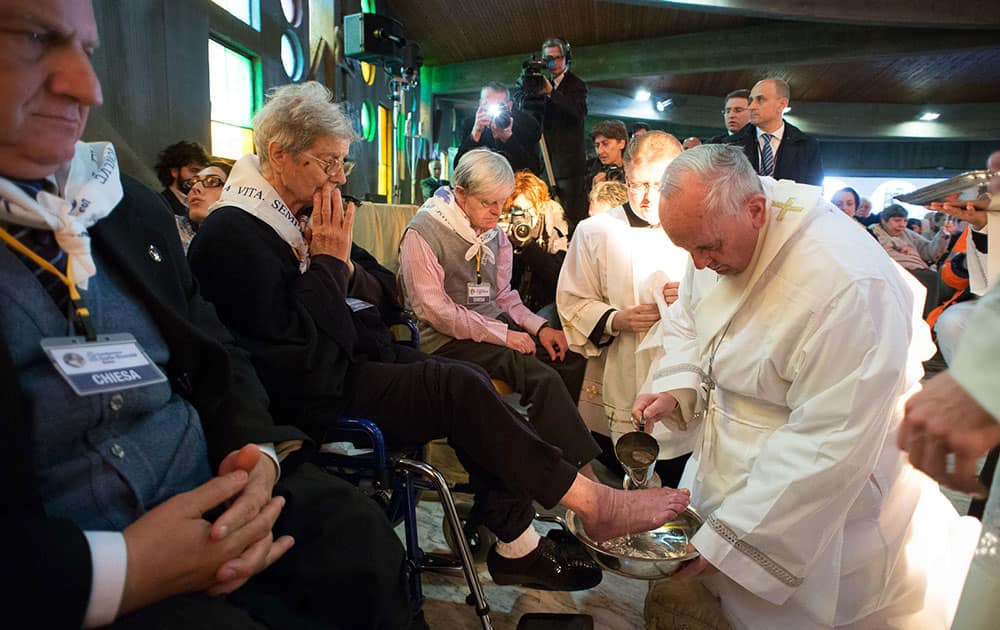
611 293
791 362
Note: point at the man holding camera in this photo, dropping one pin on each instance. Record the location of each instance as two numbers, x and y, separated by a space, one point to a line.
499 127
609 138
564 113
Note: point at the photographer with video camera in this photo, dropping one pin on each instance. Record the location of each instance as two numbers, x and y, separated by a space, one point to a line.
564 113
498 126
609 138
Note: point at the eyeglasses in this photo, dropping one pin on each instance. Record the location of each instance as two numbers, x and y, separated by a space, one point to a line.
330 167
642 188
735 110
208 181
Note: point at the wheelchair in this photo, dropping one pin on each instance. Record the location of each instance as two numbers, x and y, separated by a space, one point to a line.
395 479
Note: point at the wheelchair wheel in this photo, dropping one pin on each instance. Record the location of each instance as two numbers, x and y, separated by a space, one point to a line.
480 538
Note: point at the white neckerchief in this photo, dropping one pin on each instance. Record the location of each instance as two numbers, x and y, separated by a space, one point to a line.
442 207
247 190
90 187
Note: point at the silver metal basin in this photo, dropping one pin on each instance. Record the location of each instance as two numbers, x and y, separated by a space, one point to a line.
651 555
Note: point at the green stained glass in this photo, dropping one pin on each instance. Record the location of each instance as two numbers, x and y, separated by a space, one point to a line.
401 132
368 123
231 85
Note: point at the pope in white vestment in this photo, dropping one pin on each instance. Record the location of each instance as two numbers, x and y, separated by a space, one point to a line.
790 366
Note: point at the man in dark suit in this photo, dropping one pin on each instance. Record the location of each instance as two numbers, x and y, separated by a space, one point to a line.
143 506
564 113
508 131
775 147
735 115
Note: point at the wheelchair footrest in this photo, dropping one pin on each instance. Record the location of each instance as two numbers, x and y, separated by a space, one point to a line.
444 563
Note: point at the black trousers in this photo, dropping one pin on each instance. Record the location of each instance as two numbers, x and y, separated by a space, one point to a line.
932 282
573 197
421 398
542 385
346 570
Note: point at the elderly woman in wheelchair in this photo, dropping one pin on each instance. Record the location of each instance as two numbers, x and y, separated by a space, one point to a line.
310 308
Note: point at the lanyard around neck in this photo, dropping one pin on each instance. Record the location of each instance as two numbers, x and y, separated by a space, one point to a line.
81 315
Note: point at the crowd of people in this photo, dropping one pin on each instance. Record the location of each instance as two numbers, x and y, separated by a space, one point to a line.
174 359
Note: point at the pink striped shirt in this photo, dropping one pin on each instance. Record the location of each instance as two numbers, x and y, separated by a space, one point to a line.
423 278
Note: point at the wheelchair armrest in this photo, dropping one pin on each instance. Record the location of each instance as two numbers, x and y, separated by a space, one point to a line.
405 330
367 432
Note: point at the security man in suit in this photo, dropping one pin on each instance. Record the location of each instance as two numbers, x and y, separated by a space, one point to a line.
775 147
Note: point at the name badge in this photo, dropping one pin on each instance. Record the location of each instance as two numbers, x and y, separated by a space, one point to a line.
110 364
478 293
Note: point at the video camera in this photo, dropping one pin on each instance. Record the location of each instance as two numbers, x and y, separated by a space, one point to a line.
531 81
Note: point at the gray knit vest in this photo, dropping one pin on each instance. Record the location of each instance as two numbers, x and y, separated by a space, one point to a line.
450 248
105 459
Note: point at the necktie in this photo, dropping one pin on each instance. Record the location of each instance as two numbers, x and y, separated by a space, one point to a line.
43 243
766 156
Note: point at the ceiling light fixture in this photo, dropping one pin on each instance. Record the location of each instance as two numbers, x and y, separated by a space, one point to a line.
642 95
929 116
664 104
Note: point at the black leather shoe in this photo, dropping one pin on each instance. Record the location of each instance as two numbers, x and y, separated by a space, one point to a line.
557 564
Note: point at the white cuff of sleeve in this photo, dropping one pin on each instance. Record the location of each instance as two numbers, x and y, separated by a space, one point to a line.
268 449
109 561
607 325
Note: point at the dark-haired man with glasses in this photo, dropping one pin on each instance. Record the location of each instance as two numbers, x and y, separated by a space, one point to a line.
620 274
735 114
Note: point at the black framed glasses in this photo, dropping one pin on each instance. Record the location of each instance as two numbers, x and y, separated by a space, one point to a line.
208 181
331 167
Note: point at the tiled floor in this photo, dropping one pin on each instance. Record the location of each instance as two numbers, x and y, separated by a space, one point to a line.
615 604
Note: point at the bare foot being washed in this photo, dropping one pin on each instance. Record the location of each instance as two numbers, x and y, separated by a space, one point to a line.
617 512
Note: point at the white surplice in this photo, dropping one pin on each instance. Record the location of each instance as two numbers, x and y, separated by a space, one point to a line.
612 266
809 505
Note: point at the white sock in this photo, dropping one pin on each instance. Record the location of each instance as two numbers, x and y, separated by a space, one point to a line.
520 546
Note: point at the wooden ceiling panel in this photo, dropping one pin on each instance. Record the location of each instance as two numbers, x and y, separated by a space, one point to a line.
452 32
960 77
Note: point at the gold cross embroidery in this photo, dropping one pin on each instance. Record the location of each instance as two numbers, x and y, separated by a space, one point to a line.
787 206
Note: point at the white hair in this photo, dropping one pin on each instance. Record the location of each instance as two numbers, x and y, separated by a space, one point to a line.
482 171
296 116
723 169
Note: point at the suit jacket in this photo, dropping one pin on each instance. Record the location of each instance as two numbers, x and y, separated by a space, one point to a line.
798 157
173 202
562 123
521 150
47 569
